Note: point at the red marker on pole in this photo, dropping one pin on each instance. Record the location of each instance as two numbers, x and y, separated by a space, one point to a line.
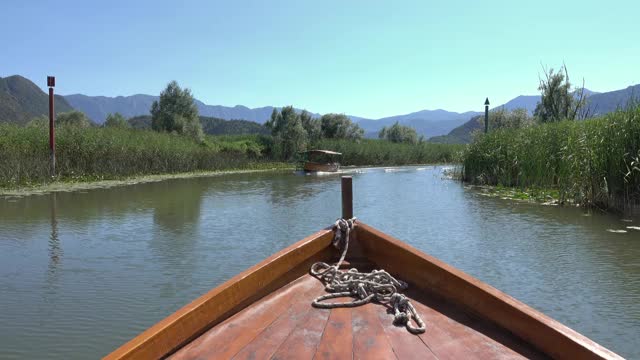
51 83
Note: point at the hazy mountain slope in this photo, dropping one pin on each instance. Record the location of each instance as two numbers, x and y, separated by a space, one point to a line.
98 107
463 134
21 100
528 102
426 122
606 102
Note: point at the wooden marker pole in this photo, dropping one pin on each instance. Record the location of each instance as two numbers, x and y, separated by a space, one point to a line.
51 83
347 197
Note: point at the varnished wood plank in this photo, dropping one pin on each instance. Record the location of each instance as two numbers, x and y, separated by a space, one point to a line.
405 344
303 341
442 343
226 339
431 274
225 300
270 339
507 339
337 340
450 340
369 340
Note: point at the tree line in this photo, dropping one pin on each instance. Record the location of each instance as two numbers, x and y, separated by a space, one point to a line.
293 131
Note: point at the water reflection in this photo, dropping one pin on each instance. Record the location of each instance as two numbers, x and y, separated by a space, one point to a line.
178 209
55 250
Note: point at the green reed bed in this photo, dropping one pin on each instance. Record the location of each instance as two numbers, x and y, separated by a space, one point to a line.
108 153
382 152
595 162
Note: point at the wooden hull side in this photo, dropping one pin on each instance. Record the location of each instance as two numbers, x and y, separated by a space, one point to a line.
436 277
218 304
313 167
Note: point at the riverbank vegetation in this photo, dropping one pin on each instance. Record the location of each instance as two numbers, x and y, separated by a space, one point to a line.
386 153
107 153
595 162
592 161
173 140
94 153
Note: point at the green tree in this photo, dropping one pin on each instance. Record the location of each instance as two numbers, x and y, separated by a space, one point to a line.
399 134
339 126
176 111
312 126
504 119
289 134
558 100
73 118
116 121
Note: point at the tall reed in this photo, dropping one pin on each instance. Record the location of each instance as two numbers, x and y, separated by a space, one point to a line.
595 162
100 153
382 152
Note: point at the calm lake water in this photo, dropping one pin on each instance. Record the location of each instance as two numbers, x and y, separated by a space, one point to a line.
83 272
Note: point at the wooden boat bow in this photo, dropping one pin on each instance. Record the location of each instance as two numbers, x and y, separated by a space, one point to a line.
263 311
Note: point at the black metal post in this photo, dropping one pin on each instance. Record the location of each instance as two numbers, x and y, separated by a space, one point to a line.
486 116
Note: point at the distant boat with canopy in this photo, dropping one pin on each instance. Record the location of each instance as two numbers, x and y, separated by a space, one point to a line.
313 161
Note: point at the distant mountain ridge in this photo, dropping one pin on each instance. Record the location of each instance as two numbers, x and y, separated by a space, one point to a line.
98 107
426 122
21 100
429 123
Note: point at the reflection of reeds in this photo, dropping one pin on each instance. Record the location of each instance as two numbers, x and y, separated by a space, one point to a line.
102 153
382 152
55 250
595 162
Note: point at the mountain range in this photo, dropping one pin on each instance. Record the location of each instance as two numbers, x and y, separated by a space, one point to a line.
426 122
21 100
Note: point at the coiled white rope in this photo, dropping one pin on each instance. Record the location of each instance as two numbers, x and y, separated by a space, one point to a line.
378 285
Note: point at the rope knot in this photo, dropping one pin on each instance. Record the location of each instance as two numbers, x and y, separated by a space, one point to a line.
400 318
342 228
378 285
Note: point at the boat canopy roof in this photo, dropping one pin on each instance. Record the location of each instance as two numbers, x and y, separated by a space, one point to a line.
316 151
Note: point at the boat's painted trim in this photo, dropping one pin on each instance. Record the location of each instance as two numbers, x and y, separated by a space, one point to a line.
225 300
434 276
314 166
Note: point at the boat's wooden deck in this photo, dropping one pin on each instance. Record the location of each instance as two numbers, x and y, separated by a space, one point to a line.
285 325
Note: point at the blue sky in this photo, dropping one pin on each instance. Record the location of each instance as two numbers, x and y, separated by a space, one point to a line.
366 58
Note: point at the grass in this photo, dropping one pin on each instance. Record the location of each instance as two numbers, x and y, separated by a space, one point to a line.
382 152
85 154
595 162
96 154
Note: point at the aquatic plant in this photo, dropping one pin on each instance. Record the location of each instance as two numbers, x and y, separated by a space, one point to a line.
595 162
106 153
382 152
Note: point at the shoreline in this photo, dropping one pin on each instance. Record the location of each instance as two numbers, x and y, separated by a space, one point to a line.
81 185
70 186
